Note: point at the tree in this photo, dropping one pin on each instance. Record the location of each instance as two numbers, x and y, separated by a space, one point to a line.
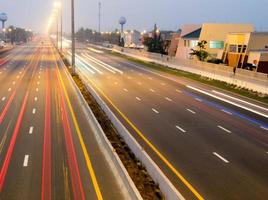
201 52
155 43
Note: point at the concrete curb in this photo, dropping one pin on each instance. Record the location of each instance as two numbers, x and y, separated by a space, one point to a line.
123 179
155 172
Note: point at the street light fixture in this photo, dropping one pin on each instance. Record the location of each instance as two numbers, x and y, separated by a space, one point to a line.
58 5
73 36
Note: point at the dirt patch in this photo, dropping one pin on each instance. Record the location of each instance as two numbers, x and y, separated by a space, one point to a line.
148 189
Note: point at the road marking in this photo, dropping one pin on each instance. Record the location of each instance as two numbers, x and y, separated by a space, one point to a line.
191 111
125 90
182 130
226 130
200 100
138 98
178 91
35 98
4 98
36 89
150 78
38 82
163 84
34 110
264 128
229 113
228 101
240 100
155 111
150 144
25 162
81 140
168 99
115 83
140 74
220 157
31 130
13 82
129 77
139 83
39 77
17 77
152 90
9 89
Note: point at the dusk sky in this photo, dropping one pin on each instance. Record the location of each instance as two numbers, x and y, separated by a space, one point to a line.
140 14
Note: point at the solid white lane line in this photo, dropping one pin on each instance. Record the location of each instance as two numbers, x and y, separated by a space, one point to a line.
34 111
4 98
220 157
226 130
9 89
168 99
105 65
229 113
191 111
138 98
35 98
125 90
214 91
264 128
228 101
200 100
182 130
31 130
155 111
152 90
26 159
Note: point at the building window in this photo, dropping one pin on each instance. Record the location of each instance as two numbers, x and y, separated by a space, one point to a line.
232 48
193 43
216 44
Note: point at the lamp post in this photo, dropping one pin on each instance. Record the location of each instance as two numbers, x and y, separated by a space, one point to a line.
73 36
58 8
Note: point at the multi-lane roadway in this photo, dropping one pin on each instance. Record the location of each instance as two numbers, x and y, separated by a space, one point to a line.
211 144
47 147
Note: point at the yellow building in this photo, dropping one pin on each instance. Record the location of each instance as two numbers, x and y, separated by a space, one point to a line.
239 45
214 34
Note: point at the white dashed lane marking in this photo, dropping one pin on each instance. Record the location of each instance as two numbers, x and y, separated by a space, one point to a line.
181 129
191 111
155 111
224 129
31 130
220 157
25 162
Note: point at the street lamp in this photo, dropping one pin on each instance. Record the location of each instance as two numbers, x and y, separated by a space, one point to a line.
73 39
58 5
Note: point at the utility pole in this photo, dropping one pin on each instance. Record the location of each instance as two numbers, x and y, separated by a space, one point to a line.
99 17
61 25
73 37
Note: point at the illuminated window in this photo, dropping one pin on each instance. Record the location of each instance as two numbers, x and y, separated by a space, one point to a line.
216 44
193 43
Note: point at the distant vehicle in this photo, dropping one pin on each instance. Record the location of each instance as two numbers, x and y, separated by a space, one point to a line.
107 44
2 44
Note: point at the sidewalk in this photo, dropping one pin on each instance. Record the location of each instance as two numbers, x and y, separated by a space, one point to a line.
242 78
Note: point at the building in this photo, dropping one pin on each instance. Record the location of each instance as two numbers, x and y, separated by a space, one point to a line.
214 34
132 38
242 45
174 44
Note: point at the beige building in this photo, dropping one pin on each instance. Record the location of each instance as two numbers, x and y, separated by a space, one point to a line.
239 46
214 34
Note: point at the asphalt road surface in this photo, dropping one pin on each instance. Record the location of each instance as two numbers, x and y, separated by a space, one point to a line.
47 148
207 147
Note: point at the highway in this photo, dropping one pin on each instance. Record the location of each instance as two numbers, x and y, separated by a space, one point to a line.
207 147
47 147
